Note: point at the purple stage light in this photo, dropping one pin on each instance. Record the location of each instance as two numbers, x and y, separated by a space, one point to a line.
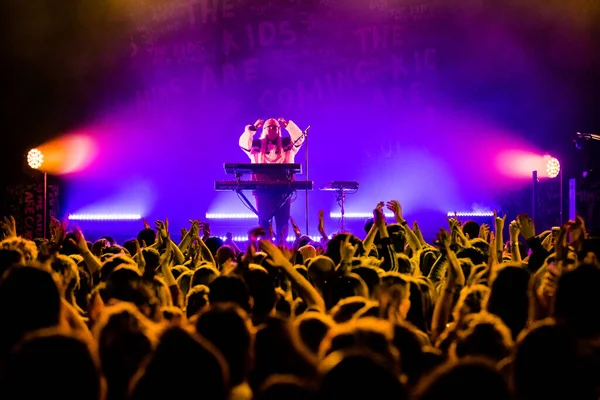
356 215
474 214
104 217
218 216
244 238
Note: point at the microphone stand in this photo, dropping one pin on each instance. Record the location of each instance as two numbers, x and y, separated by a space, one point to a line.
306 177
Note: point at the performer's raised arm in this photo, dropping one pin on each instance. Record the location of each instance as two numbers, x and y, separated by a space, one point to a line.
248 136
295 132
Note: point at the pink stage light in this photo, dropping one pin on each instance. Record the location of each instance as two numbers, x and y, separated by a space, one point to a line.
67 154
552 167
521 164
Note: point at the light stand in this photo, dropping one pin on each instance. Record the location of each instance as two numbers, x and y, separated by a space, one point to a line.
562 221
45 200
306 178
341 189
534 194
553 170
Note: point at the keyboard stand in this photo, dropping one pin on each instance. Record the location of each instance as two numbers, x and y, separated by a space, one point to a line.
287 197
246 201
249 204
341 189
341 198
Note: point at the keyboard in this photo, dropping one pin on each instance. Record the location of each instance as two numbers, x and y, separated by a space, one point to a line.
262 169
222 186
340 186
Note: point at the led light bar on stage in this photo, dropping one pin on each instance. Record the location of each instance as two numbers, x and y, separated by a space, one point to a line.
242 238
355 215
104 217
230 216
473 214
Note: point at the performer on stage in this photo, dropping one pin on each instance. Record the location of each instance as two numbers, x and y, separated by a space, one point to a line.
272 148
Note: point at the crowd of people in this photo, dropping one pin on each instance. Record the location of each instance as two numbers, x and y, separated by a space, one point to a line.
470 315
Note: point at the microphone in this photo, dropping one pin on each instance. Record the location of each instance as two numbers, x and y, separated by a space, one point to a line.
305 132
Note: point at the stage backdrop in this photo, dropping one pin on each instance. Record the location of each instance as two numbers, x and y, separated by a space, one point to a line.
26 204
414 99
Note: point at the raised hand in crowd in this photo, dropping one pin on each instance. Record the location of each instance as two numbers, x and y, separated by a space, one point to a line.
379 218
79 241
484 232
164 239
453 283
57 230
186 245
347 252
205 227
412 239
514 232
395 207
321 227
577 232
271 231
162 229
139 256
9 225
255 234
549 239
93 263
296 229
526 226
166 261
230 242
306 290
456 232
417 231
498 231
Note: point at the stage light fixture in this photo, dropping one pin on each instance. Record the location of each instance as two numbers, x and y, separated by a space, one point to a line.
35 158
552 167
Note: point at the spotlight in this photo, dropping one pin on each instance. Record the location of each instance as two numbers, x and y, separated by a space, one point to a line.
552 167
35 158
